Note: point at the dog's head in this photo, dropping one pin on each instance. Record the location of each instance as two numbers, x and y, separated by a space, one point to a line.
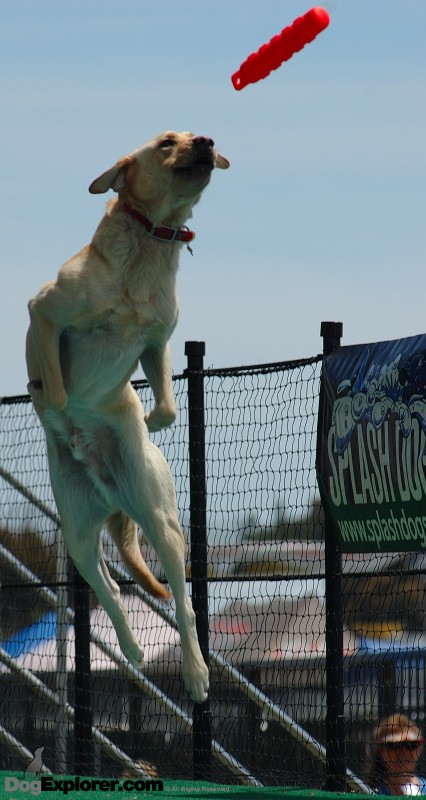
165 175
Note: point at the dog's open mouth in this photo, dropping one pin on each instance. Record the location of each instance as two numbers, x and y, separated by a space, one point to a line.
200 166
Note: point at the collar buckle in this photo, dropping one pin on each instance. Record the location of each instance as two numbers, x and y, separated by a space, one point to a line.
162 232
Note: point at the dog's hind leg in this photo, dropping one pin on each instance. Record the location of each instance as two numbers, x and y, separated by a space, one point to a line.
166 536
90 563
83 511
144 490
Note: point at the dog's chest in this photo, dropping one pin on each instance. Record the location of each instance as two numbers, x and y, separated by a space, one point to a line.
99 352
132 319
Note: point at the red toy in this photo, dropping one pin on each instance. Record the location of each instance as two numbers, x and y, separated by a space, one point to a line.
271 55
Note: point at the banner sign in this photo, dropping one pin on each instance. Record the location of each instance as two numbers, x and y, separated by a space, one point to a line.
371 448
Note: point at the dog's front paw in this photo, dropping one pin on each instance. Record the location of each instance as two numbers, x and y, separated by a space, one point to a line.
196 678
35 389
160 417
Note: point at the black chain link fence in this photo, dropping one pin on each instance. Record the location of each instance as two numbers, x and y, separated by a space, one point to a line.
266 603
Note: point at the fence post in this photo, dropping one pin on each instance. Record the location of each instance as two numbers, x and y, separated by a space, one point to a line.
335 734
62 763
195 352
83 743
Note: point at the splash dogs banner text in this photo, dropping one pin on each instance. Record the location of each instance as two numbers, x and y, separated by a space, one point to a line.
371 454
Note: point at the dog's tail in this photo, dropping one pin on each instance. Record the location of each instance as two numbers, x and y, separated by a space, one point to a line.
123 531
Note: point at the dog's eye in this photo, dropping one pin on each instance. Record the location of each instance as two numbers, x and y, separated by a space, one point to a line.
167 143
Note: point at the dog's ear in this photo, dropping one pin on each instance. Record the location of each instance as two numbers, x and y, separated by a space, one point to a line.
114 178
221 162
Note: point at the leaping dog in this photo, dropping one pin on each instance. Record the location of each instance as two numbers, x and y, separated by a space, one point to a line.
112 305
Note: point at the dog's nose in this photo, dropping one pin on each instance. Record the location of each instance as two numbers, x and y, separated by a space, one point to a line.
203 141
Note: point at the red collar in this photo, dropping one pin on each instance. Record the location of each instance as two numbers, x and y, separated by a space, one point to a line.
162 232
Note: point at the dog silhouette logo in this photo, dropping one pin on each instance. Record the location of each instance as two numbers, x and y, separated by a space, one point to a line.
36 764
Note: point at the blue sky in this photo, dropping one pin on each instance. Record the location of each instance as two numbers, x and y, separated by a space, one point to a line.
322 214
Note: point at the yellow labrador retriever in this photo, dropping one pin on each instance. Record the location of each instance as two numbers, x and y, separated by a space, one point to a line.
111 305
